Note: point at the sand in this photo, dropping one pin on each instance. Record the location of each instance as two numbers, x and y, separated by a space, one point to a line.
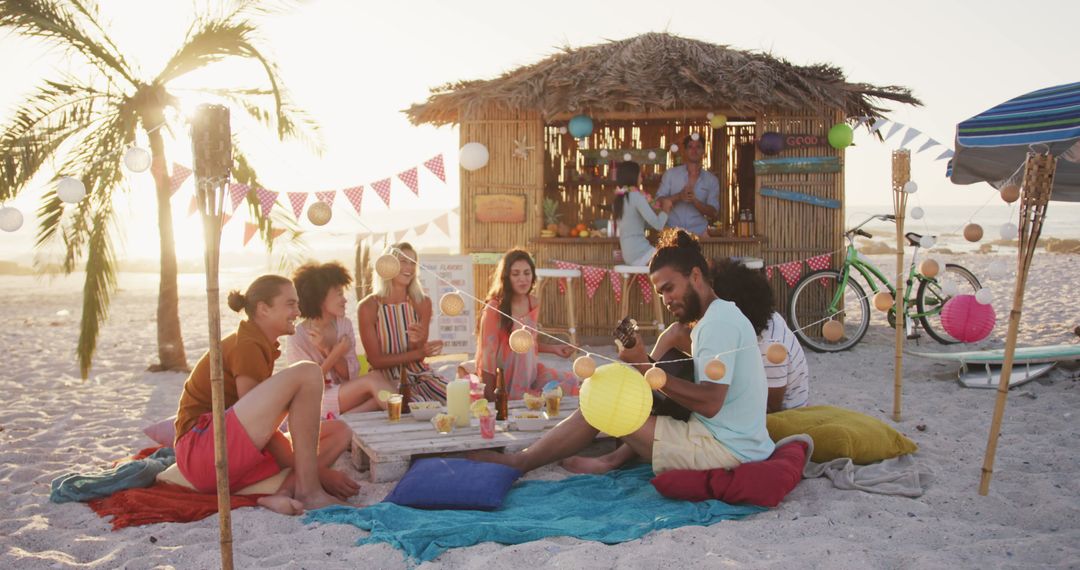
52 422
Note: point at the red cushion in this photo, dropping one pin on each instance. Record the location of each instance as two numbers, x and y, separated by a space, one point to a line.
762 483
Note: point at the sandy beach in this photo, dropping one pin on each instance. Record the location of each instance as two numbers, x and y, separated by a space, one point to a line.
52 422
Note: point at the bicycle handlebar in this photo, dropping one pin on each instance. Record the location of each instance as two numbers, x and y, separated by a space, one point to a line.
862 233
857 231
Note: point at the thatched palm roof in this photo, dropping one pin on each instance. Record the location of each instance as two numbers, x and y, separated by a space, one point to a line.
658 72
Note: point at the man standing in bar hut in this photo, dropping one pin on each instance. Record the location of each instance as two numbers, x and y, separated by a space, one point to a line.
694 191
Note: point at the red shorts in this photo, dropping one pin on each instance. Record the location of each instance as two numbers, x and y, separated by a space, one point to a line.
247 464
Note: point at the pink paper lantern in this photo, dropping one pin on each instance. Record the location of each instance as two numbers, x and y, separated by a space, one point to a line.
966 319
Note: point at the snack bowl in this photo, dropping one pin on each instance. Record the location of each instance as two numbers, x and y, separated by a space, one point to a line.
424 411
529 420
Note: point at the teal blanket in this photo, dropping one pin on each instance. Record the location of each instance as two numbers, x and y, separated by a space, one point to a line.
612 508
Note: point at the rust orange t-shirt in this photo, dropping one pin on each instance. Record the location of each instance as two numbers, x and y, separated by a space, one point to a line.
247 352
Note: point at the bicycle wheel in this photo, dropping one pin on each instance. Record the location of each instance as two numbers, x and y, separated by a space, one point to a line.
809 308
931 299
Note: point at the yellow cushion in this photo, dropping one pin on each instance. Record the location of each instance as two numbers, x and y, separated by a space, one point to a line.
838 432
267 486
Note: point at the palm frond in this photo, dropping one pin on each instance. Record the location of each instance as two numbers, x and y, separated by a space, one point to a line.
100 282
298 124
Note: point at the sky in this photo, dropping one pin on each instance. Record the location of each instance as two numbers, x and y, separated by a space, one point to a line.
355 65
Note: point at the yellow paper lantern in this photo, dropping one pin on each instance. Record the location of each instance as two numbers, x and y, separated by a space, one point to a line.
1010 193
319 213
584 366
715 369
973 232
718 121
615 400
387 266
656 378
521 341
929 267
451 304
883 301
832 330
776 353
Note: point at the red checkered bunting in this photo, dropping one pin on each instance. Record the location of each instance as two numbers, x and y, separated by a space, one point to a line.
768 272
266 200
435 165
180 173
646 288
819 262
410 180
327 197
791 271
297 199
355 196
566 265
249 231
238 192
382 188
616 286
592 276
193 206
276 233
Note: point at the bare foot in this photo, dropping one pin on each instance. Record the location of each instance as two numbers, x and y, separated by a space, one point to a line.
338 484
582 464
318 500
282 505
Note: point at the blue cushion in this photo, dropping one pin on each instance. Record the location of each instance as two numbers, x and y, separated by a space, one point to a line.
444 483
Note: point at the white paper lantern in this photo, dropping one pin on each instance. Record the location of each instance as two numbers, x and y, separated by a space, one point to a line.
70 190
984 296
950 288
137 159
656 378
710 115
627 157
387 266
998 269
917 213
451 304
603 153
911 187
562 130
319 213
715 369
1009 230
652 155
473 156
927 242
11 219
584 366
521 341
695 137
674 148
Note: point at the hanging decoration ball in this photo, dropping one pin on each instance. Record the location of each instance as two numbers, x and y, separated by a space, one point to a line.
11 219
652 155
319 213
911 187
137 159
1009 230
973 232
580 126
603 153
841 136
627 157
451 304
927 242
710 115
521 341
832 330
715 369
984 296
674 148
694 136
950 288
615 400
998 269
473 156
656 378
70 190
584 366
387 266
966 319
917 213
929 267
771 143
776 353
562 130
1010 193
883 300
718 121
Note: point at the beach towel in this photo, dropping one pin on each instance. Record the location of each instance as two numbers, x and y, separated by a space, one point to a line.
163 502
615 507
897 476
139 472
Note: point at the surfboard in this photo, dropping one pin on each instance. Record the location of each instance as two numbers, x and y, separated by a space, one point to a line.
982 368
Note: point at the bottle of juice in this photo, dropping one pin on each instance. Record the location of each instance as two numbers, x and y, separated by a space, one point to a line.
457 400
502 396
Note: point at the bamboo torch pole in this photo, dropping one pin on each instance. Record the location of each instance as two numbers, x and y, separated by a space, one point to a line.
1038 183
211 142
901 175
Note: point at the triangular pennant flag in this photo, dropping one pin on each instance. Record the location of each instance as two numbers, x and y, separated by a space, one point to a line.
266 200
616 286
878 124
238 192
193 206
180 173
225 217
355 196
909 136
276 233
382 188
327 197
443 223
409 177
947 154
565 265
435 165
456 210
646 288
791 271
249 231
768 272
893 130
928 144
592 276
400 235
819 262
297 199
860 121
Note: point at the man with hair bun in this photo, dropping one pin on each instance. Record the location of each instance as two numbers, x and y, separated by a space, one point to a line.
256 402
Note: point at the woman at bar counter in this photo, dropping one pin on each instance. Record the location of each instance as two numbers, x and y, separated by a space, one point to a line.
511 294
634 214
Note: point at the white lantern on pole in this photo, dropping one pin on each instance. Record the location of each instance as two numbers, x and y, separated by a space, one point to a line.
473 156
11 219
70 190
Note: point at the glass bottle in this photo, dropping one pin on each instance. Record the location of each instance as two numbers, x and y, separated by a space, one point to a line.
502 396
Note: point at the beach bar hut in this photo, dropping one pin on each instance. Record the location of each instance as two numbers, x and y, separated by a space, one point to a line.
555 129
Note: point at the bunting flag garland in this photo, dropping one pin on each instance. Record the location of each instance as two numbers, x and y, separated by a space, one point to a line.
297 199
435 165
646 288
592 276
382 188
400 235
180 173
931 143
225 217
819 262
354 194
892 131
878 124
768 272
947 154
193 206
276 233
443 223
909 136
327 197
238 192
563 281
616 286
409 177
791 271
266 200
249 231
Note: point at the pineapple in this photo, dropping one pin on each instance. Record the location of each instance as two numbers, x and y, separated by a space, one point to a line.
551 217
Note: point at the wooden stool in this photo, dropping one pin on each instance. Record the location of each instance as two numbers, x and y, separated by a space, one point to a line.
570 329
626 272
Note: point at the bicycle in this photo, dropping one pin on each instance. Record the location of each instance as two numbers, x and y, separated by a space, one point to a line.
837 294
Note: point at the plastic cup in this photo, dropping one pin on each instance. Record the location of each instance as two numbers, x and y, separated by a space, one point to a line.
393 407
533 402
552 403
487 426
444 423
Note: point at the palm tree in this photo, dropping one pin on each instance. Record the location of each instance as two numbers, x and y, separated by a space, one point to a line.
87 125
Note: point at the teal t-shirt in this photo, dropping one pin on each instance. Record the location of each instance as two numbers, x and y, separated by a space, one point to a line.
740 424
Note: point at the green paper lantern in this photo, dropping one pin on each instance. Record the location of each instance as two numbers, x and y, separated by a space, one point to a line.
841 135
718 121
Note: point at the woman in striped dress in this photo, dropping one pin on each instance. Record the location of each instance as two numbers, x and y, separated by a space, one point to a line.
394 323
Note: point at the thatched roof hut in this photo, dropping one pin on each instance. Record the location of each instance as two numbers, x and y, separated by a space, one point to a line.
657 72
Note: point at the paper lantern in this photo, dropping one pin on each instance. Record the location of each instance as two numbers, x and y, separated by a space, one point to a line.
615 400
652 155
451 304
984 296
1009 230
387 266
319 213
627 157
776 353
966 319
883 301
521 341
70 190
584 366
580 126
929 267
718 121
917 213
137 159
674 148
771 143
832 330
1010 193
603 153
473 156
911 187
11 219
927 242
656 378
715 369
841 136
973 232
